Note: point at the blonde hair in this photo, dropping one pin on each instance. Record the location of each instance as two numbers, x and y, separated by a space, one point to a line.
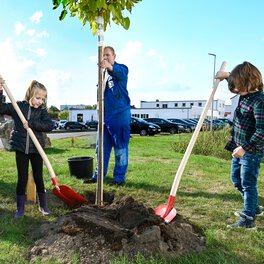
245 77
33 89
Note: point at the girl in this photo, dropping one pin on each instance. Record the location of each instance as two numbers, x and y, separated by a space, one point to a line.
35 112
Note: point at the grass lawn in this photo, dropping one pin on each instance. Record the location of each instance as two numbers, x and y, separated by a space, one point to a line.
205 197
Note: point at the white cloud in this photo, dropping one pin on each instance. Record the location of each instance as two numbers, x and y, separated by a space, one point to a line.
36 17
31 32
43 34
58 84
12 63
19 28
40 52
93 58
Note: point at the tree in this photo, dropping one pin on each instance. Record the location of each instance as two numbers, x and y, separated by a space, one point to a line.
98 14
53 112
89 10
64 115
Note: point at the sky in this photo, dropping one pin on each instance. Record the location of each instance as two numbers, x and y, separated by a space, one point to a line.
166 49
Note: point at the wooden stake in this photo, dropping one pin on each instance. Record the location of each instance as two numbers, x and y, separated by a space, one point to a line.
31 188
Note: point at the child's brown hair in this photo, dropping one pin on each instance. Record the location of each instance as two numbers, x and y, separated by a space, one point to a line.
245 77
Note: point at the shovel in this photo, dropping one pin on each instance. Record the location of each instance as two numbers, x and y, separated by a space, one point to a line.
168 212
62 191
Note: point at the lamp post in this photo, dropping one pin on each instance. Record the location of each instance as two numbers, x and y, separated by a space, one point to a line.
212 112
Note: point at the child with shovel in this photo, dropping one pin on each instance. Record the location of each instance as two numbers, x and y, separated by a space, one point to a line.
247 138
35 112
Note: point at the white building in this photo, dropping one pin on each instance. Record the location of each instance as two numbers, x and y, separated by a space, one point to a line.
163 109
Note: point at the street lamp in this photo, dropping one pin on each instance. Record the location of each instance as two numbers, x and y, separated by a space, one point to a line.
212 112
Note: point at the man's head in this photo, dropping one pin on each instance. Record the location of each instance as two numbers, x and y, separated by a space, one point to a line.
109 54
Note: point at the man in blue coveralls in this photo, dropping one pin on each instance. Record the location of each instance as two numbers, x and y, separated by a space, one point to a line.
116 117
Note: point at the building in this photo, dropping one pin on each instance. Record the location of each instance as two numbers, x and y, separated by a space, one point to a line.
162 109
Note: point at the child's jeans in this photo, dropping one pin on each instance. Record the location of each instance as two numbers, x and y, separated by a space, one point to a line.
244 175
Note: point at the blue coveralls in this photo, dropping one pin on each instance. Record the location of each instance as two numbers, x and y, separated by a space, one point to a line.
116 122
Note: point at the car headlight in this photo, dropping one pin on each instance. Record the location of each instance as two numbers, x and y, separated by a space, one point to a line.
150 126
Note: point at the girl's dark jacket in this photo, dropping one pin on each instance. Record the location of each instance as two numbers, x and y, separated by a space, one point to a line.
38 120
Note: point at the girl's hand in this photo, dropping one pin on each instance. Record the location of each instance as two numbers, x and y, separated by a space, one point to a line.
25 125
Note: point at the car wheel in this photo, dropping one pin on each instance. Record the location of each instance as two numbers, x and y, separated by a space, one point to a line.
143 132
172 130
189 130
67 128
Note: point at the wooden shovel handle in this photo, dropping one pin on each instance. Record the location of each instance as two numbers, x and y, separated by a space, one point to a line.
32 135
188 151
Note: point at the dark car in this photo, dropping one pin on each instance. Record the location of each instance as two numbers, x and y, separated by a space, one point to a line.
74 125
92 124
180 122
165 125
55 124
142 127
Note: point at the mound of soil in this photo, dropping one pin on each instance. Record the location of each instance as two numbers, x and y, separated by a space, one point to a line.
124 227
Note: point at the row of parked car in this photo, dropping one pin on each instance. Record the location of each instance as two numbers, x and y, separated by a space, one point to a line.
65 124
151 126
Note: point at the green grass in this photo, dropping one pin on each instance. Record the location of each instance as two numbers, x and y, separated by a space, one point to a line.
205 197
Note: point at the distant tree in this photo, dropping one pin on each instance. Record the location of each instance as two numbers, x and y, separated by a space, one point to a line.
53 112
91 107
54 109
64 115
89 10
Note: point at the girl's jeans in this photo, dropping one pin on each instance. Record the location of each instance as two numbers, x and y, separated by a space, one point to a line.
244 175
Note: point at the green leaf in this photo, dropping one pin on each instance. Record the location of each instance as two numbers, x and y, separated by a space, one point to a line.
56 3
65 3
63 14
126 23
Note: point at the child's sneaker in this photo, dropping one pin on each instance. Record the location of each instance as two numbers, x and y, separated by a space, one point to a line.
244 221
259 211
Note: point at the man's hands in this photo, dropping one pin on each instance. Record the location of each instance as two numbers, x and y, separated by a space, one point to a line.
106 65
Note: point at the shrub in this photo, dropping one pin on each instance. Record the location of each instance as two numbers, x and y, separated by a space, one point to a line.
208 143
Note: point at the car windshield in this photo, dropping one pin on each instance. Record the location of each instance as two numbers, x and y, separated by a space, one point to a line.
141 120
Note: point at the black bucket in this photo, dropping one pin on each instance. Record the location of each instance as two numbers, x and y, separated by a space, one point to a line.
81 167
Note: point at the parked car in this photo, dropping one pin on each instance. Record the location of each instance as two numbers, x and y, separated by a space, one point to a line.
55 124
92 124
142 127
219 123
165 125
74 125
226 120
62 123
180 122
195 122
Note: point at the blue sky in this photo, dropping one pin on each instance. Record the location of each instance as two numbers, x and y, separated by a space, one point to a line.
166 48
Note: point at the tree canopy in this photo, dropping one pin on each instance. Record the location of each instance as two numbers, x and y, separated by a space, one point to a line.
89 10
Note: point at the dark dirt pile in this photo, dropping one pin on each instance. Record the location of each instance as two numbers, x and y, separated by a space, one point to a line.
124 227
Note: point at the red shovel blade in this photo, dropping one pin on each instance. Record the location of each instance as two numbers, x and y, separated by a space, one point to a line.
166 211
162 210
69 196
